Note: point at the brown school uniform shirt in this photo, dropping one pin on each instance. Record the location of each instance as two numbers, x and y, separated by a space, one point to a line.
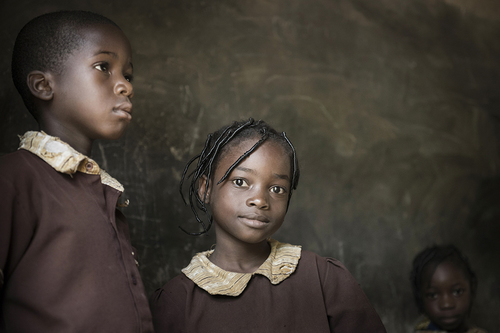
66 262
293 291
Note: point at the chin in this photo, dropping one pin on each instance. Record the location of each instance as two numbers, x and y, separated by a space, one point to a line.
252 239
115 135
454 327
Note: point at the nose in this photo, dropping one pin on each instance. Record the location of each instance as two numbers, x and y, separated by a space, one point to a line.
447 302
124 87
259 199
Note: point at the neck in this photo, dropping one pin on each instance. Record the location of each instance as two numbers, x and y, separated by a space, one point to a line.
238 257
81 144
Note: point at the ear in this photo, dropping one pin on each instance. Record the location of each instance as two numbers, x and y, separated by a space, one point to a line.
202 188
40 84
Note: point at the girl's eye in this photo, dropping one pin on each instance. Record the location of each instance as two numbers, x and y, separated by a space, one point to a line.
240 182
458 292
102 67
431 295
277 189
129 78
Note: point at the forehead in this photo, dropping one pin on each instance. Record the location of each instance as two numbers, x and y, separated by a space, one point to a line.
104 37
444 273
269 154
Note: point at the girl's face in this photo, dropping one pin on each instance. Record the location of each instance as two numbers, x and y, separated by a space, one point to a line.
250 205
447 298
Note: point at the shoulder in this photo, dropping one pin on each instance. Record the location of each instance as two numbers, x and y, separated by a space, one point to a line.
178 282
22 170
21 162
347 306
336 280
324 265
16 159
331 273
168 304
174 290
312 257
18 167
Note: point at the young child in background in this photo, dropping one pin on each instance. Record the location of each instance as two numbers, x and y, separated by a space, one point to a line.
444 287
251 283
66 262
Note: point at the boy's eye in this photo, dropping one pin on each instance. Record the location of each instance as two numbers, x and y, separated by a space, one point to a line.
129 78
458 292
240 182
104 67
277 189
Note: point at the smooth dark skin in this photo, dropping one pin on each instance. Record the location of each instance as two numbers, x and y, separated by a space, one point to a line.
91 98
447 298
249 206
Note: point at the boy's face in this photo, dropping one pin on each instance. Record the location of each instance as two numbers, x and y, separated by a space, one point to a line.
447 298
250 205
92 95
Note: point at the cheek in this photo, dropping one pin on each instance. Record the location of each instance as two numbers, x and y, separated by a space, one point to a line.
279 218
222 202
100 90
281 207
430 308
465 304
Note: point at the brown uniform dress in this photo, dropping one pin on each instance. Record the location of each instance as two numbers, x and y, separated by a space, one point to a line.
66 262
293 291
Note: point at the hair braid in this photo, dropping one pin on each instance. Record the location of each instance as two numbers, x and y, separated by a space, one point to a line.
216 146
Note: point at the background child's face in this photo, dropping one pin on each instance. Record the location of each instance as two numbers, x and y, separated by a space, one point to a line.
92 94
250 205
447 298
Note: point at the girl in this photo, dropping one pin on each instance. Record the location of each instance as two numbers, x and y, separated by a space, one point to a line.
243 182
444 287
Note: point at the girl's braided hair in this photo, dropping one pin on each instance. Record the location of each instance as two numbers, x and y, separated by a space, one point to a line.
431 257
216 146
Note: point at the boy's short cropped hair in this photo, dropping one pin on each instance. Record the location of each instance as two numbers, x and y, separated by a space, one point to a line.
44 44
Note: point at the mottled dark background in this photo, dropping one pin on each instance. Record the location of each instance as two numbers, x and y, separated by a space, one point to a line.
393 107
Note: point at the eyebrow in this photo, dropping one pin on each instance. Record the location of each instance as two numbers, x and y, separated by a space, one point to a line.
113 54
276 175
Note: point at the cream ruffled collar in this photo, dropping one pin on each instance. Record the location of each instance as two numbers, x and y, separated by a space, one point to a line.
280 264
63 158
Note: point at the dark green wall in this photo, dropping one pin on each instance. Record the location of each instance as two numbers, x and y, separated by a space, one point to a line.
393 107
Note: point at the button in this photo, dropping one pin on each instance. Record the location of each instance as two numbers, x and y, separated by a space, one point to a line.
89 166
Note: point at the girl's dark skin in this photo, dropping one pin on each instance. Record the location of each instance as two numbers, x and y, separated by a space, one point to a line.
447 298
249 206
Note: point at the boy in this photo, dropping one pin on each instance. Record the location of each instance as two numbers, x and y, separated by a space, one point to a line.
66 262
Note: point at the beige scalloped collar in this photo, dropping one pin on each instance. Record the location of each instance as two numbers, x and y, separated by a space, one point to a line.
63 158
280 264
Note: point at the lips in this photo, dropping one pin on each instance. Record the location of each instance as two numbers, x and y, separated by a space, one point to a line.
256 217
124 109
255 221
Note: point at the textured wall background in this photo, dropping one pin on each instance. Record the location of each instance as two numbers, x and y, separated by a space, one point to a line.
393 107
